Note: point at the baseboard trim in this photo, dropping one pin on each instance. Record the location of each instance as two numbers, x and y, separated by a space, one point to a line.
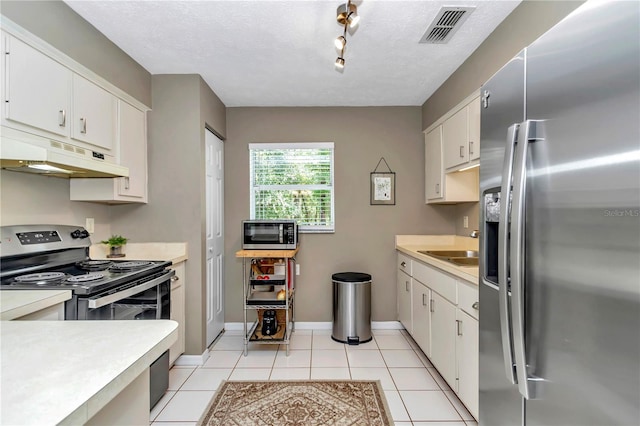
323 325
193 359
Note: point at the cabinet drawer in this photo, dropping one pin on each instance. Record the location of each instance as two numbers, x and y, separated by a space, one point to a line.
404 263
468 298
436 280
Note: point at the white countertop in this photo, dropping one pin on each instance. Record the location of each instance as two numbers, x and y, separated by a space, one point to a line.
18 303
410 244
175 252
66 371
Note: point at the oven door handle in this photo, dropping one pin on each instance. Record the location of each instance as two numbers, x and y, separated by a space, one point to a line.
111 298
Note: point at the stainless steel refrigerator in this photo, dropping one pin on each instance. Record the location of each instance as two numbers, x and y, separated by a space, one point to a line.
560 218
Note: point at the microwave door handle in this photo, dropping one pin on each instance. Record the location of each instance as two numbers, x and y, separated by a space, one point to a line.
503 261
281 233
112 298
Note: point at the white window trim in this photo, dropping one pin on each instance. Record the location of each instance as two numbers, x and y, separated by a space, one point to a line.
306 229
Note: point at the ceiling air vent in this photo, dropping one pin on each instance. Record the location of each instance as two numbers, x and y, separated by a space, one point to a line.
447 22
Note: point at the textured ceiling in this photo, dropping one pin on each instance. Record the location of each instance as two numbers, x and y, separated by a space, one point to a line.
281 53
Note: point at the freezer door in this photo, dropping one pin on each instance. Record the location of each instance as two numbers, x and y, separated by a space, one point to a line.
502 106
582 232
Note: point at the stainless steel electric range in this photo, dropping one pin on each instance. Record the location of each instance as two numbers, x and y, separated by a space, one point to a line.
56 257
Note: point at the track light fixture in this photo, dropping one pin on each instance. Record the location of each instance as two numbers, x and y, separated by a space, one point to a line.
347 17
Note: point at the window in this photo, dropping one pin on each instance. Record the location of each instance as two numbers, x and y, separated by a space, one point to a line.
293 181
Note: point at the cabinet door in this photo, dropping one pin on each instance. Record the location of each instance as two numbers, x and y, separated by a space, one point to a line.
133 151
403 294
177 311
443 338
467 351
474 129
454 139
433 164
38 89
94 114
421 300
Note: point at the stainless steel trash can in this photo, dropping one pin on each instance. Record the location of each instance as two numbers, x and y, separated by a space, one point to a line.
351 307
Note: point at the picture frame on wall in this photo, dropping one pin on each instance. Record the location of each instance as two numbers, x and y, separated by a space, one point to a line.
383 188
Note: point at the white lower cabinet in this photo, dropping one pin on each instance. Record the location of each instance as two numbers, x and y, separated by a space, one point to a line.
403 290
421 297
443 338
440 312
467 351
177 311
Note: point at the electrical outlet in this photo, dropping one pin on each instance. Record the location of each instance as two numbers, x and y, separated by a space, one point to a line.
89 225
465 220
297 269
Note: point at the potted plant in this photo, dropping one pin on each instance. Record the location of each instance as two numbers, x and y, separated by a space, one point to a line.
115 243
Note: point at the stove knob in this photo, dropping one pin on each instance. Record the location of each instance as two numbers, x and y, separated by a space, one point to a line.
79 233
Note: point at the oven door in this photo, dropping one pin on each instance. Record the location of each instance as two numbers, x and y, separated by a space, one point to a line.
148 298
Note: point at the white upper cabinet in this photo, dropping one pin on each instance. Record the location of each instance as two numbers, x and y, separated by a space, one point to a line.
474 129
94 114
455 139
132 140
461 136
133 151
452 149
38 89
433 164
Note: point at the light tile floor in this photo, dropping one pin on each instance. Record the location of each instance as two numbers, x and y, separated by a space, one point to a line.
417 395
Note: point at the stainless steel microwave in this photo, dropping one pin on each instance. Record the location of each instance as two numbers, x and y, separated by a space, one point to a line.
279 234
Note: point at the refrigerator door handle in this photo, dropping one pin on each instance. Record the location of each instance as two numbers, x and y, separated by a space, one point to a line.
528 134
503 251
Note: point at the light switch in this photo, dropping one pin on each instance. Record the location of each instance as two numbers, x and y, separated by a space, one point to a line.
465 220
297 269
89 225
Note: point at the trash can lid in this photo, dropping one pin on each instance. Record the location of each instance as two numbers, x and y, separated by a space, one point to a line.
351 277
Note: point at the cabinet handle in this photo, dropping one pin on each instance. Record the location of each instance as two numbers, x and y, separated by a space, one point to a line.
62 119
437 188
470 147
403 264
175 278
461 151
406 285
431 306
126 182
83 123
424 299
476 306
459 327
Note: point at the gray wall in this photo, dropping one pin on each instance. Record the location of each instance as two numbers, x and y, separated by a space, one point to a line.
57 24
526 23
182 106
364 237
33 199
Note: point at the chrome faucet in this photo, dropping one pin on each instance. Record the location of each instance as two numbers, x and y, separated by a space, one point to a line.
475 234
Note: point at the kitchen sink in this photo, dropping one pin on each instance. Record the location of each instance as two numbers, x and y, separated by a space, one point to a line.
463 261
450 253
457 257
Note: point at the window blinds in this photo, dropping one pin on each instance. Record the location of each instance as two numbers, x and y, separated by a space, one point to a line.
293 181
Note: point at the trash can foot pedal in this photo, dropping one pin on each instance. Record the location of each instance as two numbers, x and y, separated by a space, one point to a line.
353 340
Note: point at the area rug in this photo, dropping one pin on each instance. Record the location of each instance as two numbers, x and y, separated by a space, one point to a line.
298 403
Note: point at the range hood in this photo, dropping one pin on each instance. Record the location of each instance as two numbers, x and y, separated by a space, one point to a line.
23 152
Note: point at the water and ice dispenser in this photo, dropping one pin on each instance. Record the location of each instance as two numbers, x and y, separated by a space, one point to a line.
491 212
